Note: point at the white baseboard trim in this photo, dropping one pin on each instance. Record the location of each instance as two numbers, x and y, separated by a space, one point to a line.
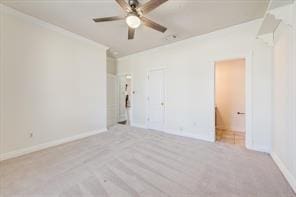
138 125
200 136
209 137
287 174
258 148
39 147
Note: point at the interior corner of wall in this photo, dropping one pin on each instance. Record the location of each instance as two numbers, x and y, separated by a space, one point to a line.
248 142
283 168
284 13
267 39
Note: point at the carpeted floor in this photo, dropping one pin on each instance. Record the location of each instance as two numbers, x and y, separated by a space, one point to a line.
136 162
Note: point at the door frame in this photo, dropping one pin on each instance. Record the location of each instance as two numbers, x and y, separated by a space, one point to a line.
164 69
248 97
132 95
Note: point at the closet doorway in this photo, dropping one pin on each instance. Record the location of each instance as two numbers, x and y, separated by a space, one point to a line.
125 99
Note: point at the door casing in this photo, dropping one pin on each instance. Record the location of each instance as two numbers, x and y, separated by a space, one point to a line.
148 123
119 76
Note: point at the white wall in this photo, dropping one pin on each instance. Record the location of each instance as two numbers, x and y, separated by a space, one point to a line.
111 66
230 94
284 101
190 77
53 83
112 100
260 97
112 92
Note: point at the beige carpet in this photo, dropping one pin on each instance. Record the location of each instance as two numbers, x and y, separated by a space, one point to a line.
135 162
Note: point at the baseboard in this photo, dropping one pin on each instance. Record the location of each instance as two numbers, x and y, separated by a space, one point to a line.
258 148
39 147
287 174
138 125
200 136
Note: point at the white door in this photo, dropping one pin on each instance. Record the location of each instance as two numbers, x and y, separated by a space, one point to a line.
155 100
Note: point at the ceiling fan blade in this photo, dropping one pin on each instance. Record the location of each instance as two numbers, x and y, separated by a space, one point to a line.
151 5
131 33
124 5
149 23
106 19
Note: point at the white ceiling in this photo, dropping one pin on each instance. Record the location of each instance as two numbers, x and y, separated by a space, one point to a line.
279 3
183 18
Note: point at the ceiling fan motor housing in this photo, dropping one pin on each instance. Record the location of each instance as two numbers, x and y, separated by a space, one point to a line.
133 3
134 17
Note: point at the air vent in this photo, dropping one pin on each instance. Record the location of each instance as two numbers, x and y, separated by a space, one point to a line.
171 37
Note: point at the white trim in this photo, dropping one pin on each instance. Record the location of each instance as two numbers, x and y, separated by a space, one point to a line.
206 136
263 149
212 138
39 147
248 103
284 14
287 174
143 126
249 112
118 75
49 26
164 69
267 38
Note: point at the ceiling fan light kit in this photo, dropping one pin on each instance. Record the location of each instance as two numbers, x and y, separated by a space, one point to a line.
133 21
135 15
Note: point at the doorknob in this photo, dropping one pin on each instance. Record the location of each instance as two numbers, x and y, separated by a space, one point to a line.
240 113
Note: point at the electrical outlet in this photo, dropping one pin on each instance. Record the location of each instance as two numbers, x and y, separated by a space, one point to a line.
181 128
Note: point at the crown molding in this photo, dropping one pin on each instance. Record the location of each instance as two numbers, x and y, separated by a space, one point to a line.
267 39
285 14
273 17
7 10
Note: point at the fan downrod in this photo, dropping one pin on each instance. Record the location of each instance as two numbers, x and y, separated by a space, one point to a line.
133 3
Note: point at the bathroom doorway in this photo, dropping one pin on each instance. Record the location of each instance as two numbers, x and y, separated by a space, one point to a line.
230 98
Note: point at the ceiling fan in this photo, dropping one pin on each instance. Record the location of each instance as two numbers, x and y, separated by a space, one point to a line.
135 15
